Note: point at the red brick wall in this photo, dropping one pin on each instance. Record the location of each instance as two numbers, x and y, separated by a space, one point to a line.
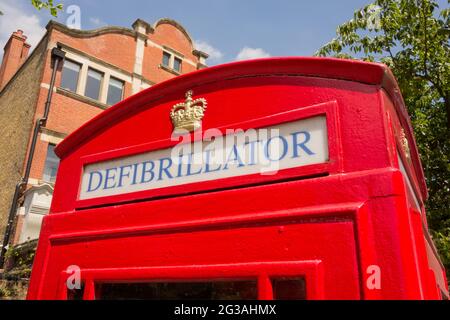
172 37
40 154
116 49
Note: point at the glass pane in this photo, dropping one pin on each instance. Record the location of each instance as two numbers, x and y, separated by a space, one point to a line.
289 289
166 59
177 64
115 91
51 164
93 84
75 294
220 290
70 73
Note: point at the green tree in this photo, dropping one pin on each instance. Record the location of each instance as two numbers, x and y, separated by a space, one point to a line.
48 5
412 38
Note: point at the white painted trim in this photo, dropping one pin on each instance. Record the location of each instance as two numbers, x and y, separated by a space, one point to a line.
137 84
82 79
145 86
21 211
103 96
47 86
139 57
138 64
33 181
48 137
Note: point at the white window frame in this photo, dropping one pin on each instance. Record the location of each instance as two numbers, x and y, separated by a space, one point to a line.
86 63
79 72
171 65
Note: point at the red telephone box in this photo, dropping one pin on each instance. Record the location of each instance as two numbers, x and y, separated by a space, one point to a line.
313 190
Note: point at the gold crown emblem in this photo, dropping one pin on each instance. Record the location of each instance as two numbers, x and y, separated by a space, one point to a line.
188 115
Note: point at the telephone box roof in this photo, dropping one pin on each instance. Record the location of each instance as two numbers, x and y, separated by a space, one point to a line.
332 68
375 74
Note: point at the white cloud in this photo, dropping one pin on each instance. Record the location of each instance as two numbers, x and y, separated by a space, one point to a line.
96 22
15 17
248 53
214 53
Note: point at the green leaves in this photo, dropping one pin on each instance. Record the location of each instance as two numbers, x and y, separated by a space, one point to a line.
412 38
442 241
48 5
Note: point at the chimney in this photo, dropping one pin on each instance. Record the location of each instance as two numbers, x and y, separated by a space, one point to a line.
15 53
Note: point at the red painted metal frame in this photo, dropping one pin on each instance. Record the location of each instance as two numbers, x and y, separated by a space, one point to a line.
311 271
353 212
328 109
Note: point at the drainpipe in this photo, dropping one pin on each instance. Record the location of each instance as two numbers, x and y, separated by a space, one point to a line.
58 57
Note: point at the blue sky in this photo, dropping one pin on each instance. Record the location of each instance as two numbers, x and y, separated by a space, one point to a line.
279 27
225 28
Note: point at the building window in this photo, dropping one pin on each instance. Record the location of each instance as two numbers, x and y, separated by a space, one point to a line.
70 75
51 164
115 91
166 59
172 62
177 64
95 80
93 84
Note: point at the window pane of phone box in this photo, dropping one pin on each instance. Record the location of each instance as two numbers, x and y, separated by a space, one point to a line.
216 290
76 293
289 288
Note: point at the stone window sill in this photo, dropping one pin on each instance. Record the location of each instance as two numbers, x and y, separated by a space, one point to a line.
81 98
161 66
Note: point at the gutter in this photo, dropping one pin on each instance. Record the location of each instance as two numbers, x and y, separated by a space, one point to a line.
57 57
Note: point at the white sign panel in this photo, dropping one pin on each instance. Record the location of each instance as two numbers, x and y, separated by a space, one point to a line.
262 151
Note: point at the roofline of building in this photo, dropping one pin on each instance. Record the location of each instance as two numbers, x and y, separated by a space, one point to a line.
199 53
52 24
148 27
176 25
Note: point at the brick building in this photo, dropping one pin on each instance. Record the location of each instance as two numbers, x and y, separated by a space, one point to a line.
101 67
